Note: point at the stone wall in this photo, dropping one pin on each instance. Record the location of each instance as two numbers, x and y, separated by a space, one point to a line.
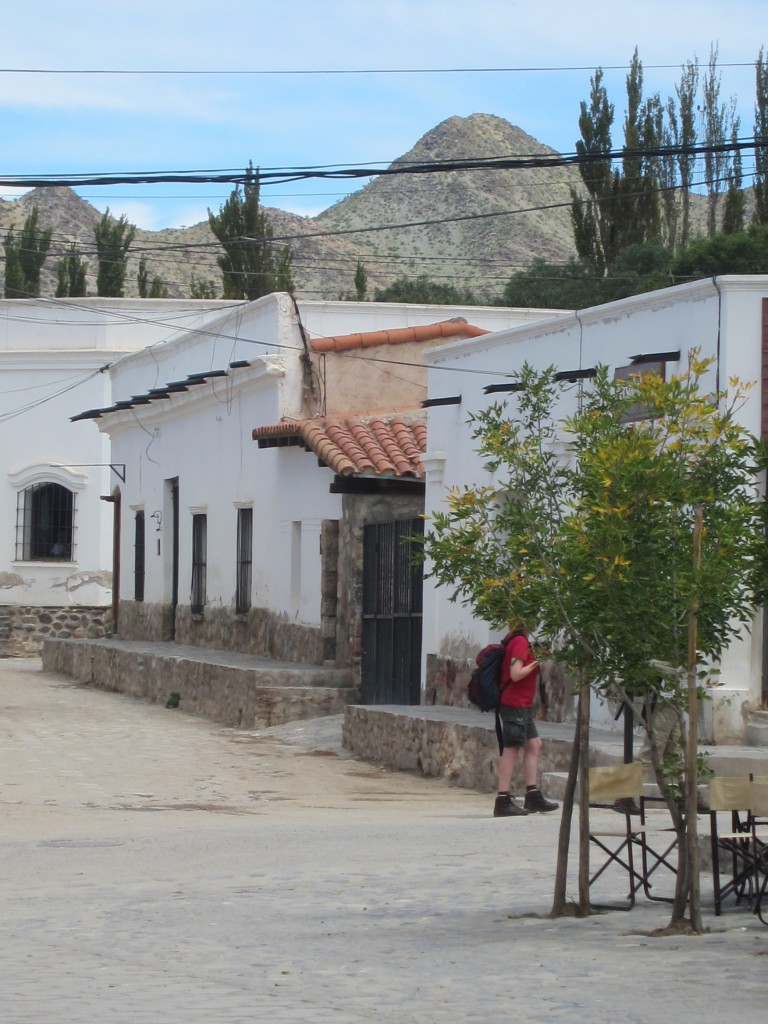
447 679
459 746
259 632
23 628
235 690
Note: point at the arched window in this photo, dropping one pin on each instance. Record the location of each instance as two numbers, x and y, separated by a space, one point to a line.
45 519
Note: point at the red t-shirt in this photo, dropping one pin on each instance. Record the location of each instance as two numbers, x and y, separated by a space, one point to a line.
518 694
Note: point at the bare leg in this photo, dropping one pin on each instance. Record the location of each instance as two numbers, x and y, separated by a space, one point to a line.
531 761
506 768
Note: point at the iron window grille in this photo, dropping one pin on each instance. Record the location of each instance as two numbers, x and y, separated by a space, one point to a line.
45 521
139 556
244 560
199 562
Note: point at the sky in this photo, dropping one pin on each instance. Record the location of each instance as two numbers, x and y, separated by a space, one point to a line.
88 86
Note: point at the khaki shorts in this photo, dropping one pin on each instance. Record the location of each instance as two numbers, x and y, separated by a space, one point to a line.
517 726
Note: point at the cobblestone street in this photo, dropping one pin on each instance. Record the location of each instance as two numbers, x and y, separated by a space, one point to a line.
159 869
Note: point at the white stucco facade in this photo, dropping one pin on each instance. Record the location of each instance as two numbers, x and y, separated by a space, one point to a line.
723 317
201 442
54 362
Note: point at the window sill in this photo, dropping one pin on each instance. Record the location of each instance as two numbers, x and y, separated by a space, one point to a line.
43 561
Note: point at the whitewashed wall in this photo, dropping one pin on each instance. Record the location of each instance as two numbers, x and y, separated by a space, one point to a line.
721 317
51 355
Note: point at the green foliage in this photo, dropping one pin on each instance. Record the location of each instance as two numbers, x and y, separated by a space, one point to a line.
743 253
761 132
576 285
361 282
113 239
71 273
424 290
251 266
174 700
201 288
25 254
154 289
592 543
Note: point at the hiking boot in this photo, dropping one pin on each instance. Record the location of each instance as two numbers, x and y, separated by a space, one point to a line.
626 805
536 801
505 807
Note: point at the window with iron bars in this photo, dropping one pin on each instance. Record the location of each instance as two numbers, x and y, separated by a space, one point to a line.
45 523
139 556
244 567
199 562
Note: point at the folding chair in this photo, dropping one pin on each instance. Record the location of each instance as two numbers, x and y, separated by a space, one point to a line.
731 794
758 820
606 786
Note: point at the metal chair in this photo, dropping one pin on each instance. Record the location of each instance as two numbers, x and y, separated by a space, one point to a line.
731 795
758 821
606 786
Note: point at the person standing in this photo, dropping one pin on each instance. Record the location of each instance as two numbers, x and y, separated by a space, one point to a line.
519 680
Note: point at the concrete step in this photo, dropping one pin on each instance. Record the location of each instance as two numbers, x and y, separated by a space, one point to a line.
756 734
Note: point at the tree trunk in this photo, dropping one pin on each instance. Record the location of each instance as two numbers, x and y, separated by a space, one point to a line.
564 838
692 765
583 726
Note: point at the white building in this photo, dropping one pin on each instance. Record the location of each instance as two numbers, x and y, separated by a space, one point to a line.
56 566
232 536
725 317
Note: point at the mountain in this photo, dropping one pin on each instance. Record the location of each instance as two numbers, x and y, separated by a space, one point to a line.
511 216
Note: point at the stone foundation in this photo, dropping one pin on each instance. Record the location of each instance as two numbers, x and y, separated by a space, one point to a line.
259 632
459 746
23 628
235 689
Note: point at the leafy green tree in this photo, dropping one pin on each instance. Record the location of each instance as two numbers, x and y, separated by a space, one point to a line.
71 274
761 133
423 289
735 208
142 278
201 288
157 288
592 217
576 285
154 289
113 238
743 253
250 265
542 285
25 253
716 130
361 282
685 137
599 550
636 210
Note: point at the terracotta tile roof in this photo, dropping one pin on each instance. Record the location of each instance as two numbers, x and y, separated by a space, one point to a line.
456 328
360 445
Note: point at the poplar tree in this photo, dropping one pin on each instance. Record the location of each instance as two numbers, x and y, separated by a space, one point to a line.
684 136
71 272
113 239
761 139
592 217
25 253
250 265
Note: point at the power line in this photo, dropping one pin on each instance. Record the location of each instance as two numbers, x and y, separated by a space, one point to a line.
304 72
337 172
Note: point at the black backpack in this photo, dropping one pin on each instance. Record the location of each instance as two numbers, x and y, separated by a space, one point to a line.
485 689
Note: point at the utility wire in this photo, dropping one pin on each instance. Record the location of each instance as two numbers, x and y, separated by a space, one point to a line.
399 167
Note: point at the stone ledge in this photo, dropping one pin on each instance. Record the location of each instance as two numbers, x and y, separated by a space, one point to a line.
459 744
235 689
